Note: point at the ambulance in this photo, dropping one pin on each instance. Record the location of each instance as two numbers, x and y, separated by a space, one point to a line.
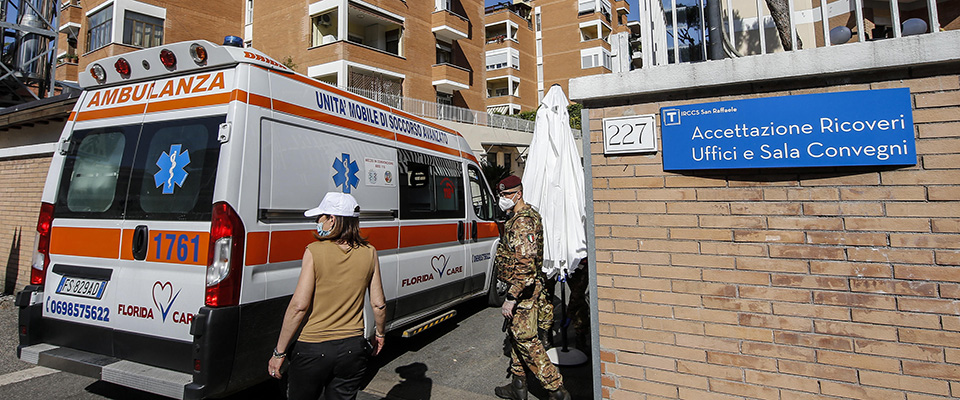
171 226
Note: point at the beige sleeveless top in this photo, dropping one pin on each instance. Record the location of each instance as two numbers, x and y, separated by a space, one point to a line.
342 278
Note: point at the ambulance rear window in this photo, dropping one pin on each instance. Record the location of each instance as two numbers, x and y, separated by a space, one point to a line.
163 171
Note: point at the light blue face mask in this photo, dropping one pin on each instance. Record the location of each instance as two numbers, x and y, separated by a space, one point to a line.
323 232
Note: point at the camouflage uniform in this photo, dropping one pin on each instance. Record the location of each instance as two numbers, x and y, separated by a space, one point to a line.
518 262
577 308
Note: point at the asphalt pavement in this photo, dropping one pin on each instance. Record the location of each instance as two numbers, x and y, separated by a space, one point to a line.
461 358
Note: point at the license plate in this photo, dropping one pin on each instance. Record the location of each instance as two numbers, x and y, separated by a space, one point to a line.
89 288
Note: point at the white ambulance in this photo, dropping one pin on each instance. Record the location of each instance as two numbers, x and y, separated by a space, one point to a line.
171 228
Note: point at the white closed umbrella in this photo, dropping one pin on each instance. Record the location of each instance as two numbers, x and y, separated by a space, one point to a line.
553 185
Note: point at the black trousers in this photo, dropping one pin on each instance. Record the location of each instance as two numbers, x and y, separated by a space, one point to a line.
333 369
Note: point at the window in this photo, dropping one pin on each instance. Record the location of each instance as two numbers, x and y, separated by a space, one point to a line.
444 53
595 57
588 61
393 41
101 25
480 196
123 171
249 12
94 170
430 187
538 22
324 29
196 142
503 58
142 30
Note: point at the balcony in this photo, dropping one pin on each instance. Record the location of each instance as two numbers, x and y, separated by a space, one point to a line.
429 109
448 26
448 78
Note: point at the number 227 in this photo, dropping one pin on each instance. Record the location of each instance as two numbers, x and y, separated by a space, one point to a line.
626 138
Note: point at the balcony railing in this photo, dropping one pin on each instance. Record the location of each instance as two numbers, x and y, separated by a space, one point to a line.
429 109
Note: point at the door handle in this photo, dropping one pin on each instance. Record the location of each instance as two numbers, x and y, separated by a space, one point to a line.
473 230
460 231
140 242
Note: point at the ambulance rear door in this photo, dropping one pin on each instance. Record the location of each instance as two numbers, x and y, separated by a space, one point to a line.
129 243
168 211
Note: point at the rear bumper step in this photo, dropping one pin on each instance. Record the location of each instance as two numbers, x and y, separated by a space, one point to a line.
109 369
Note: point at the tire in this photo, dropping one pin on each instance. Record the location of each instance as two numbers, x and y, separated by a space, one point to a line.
494 299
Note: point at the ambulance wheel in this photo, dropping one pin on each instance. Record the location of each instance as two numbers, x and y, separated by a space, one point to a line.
494 299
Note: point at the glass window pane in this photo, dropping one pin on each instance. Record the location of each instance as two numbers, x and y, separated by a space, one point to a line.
176 170
92 185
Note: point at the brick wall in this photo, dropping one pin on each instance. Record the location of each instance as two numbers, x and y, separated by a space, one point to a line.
23 179
782 284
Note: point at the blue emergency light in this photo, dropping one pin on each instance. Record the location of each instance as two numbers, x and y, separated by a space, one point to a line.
233 41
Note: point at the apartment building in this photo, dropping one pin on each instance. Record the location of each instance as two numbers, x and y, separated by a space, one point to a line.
94 29
534 44
388 50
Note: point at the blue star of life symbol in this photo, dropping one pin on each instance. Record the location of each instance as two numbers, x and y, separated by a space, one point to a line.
171 168
346 175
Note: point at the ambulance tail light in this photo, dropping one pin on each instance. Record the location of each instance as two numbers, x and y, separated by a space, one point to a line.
225 258
41 256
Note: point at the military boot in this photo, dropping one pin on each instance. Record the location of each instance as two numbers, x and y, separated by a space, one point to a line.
560 394
515 390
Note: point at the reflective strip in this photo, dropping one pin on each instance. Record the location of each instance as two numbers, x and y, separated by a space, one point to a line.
85 242
487 230
257 245
421 235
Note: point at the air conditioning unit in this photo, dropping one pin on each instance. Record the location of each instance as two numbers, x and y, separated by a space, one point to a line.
325 20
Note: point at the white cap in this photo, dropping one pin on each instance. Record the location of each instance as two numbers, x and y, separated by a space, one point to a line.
335 203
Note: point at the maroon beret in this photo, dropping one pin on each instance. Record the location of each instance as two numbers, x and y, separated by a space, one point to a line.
509 182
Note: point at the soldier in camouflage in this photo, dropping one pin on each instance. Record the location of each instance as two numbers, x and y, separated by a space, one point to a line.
518 262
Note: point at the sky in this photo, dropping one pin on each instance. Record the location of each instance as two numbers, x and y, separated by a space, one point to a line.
634 6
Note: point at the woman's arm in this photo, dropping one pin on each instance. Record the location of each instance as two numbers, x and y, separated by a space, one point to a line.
379 303
299 304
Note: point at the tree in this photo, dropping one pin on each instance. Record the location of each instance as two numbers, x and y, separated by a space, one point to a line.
780 11
494 173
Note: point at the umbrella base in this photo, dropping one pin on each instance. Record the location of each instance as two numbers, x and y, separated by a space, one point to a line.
571 356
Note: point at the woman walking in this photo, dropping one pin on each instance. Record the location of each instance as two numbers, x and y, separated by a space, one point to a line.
331 354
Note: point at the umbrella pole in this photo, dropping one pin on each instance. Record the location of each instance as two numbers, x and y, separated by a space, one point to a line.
563 313
565 356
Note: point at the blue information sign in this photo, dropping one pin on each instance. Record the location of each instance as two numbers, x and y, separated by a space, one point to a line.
869 127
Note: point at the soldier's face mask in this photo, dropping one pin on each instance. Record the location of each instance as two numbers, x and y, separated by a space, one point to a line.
506 202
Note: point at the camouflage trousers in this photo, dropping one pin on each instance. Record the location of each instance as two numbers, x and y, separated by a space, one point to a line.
577 308
527 351
545 303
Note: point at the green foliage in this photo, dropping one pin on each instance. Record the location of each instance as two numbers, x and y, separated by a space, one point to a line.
494 173
528 115
574 111
288 62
